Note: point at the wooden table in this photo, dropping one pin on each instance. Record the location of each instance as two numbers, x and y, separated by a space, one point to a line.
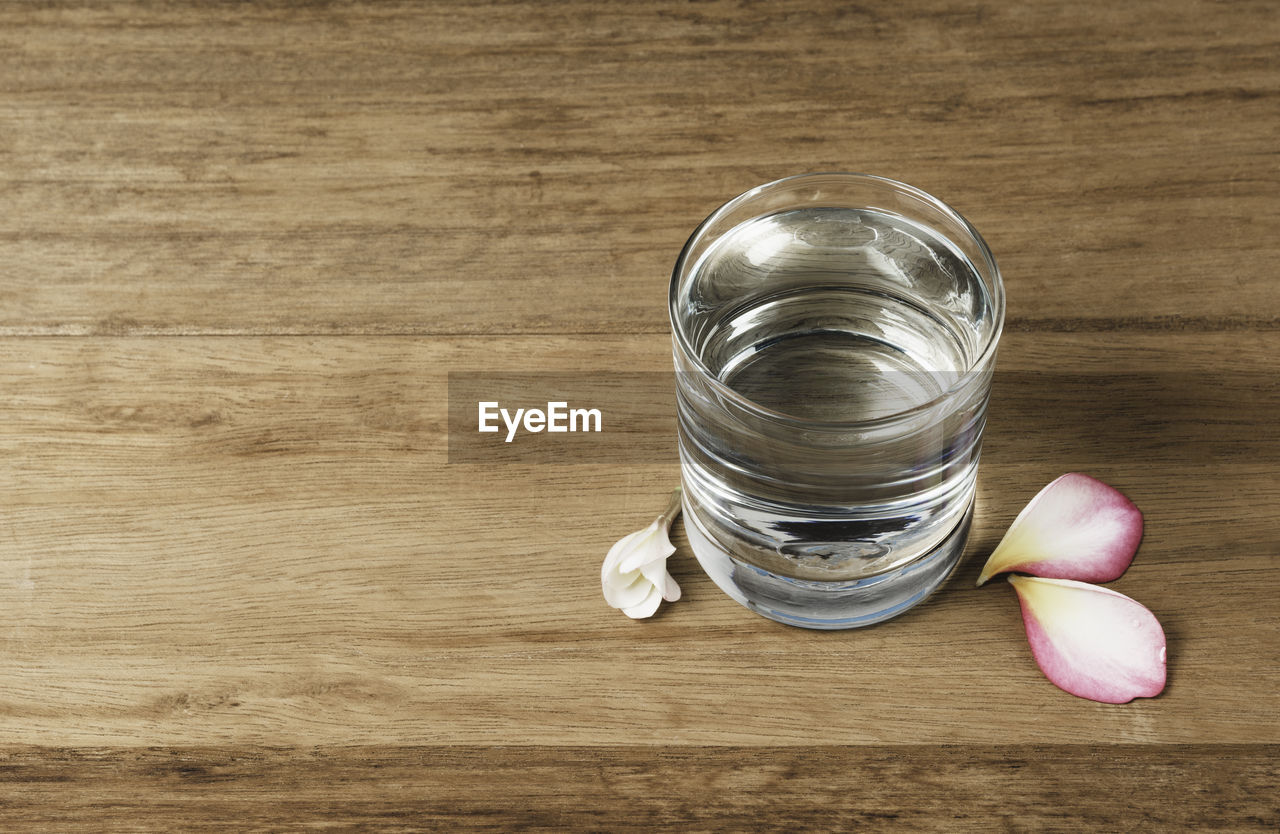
243 587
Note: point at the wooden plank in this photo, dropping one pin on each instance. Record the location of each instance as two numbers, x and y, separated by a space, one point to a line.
1057 788
246 582
477 168
259 541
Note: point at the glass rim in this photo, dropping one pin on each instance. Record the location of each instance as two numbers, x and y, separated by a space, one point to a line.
963 380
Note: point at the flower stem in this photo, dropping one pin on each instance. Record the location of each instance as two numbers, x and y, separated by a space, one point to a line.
673 508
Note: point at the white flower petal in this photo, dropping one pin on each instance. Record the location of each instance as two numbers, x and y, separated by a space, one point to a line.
619 551
672 593
652 545
634 575
647 607
656 572
623 590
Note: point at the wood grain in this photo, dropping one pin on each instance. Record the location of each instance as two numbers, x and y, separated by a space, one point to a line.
535 167
1056 788
260 540
243 584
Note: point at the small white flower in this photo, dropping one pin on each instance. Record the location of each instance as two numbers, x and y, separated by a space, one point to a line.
634 575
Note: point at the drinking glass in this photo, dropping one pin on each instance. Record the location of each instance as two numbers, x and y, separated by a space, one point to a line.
834 337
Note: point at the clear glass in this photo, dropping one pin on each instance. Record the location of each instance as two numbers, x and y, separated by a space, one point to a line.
834 339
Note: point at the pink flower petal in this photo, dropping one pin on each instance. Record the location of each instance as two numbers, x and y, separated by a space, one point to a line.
1091 641
1075 528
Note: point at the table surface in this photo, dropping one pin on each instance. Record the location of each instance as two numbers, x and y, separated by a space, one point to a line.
242 585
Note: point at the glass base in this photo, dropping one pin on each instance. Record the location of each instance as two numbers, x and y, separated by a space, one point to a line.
823 604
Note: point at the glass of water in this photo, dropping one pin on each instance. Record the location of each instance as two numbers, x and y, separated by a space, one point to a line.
834 339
